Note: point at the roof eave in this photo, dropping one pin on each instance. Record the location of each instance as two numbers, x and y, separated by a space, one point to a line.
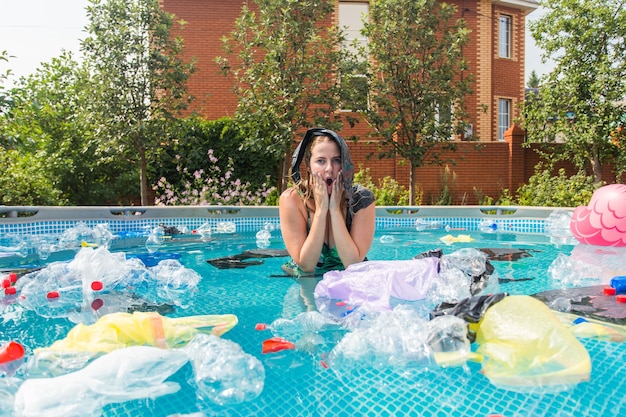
526 5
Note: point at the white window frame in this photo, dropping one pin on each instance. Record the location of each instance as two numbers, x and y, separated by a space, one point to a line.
350 18
504 116
505 23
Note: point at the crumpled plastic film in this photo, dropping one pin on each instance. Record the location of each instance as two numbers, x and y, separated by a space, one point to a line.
526 346
126 374
119 330
372 283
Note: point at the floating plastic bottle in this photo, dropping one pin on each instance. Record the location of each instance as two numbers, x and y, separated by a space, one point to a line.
240 380
155 241
225 227
488 226
204 231
263 237
421 225
303 324
387 239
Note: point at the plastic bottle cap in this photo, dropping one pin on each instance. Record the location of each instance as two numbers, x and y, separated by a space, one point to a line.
6 283
96 285
260 326
12 277
620 298
11 351
97 303
52 294
10 290
609 291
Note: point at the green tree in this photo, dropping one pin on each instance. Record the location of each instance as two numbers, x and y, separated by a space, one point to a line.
284 56
139 78
49 120
417 79
4 100
533 80
582 99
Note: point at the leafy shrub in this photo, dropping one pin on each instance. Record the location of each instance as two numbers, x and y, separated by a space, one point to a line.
544 189
195 137
210 188
24 181
388 192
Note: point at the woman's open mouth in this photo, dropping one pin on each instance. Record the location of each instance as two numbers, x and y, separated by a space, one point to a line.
329 181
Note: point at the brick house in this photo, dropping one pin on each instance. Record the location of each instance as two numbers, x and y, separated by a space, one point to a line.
496 58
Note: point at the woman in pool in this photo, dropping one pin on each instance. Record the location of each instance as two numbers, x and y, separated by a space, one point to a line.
326 222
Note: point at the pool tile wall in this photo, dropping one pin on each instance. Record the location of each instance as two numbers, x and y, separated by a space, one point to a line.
253 224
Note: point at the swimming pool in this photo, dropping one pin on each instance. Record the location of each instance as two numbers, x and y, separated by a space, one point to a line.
299 382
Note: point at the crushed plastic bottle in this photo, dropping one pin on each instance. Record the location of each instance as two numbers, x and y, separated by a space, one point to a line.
155 241
223 373
421 225
204 231
488 226
387 239
225 227
307 322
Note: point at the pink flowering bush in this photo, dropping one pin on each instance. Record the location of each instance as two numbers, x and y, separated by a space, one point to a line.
210 188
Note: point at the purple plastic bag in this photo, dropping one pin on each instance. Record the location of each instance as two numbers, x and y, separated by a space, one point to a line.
372 283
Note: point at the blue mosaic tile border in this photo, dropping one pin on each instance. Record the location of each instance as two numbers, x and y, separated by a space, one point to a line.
461 223
254 224
133 226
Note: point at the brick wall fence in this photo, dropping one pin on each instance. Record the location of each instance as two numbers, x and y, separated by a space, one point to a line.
480 169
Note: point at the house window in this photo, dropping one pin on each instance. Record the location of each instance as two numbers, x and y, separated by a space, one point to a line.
504 117
444 120
505 36
351 18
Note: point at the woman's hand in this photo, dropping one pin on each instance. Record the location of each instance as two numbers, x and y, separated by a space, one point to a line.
320 192
336 193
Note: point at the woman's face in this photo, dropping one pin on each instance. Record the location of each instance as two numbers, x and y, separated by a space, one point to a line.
325 160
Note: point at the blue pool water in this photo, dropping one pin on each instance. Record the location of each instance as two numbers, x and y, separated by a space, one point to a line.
298 384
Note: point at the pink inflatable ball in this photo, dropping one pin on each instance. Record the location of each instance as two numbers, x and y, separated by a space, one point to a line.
603 221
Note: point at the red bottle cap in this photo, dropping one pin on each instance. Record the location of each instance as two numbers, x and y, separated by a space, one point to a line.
11 351
609 291
6 283
276 344
260 326
52 294
10 290
620 298
12 277
97 303
96 285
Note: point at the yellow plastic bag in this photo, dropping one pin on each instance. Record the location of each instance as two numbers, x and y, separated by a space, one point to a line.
119 330
525 346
